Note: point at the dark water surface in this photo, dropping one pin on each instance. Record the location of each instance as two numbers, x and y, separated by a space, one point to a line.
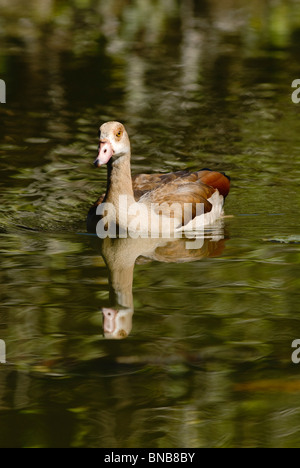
207 360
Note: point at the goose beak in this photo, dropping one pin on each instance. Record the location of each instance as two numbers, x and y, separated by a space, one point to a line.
105 153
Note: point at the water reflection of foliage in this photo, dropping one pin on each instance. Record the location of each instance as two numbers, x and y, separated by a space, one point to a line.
160 66
193 373
128 26
197 34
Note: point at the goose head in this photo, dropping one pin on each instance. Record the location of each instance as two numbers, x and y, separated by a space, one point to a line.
113 143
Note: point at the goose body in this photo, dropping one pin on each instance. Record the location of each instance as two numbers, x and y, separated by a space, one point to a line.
178 201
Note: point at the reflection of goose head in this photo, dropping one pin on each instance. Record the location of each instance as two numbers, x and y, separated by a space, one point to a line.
117 324
121 255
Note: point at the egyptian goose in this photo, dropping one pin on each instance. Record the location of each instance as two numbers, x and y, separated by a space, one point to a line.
154 192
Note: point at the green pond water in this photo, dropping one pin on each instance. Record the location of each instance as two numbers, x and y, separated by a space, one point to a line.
207 360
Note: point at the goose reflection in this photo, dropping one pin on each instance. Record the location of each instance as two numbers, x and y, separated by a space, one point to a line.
121 256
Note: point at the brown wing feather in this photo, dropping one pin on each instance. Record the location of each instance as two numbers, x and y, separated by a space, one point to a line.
143 183
178 194
218 180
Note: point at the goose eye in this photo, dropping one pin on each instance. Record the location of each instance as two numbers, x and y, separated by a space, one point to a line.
118 134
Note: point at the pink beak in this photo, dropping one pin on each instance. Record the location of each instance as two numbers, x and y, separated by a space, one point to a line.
105 153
